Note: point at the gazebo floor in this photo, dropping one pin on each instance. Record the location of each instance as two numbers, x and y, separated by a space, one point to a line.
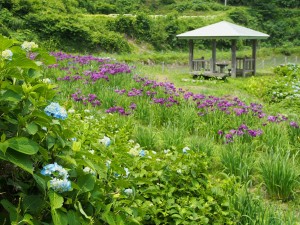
210 74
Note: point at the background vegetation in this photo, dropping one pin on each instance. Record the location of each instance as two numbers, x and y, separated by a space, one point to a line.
67 24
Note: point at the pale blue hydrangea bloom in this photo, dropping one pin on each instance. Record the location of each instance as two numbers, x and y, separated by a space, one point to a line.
59 175
106 141
142 153
49 169
55 110
128 191
60 185
185 150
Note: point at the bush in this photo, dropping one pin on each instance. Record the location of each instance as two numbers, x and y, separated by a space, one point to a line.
110 42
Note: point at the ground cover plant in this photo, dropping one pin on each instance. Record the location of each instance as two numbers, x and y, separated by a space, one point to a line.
86 140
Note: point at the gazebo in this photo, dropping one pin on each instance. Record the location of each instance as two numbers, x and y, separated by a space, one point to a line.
217 31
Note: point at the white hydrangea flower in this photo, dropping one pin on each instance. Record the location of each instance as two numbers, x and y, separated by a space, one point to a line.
128 191
126 171
185 149
71 111
28 46
7 54
46 81
39 63
89 170
92 151
108 163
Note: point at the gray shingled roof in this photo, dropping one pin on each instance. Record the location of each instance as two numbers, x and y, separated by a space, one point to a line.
223 30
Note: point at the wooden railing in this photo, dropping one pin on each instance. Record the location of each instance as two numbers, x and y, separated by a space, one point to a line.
201 65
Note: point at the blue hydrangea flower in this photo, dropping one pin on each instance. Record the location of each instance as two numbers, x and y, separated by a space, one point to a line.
106 141
142 153
50 169
59 175
55 110
60 185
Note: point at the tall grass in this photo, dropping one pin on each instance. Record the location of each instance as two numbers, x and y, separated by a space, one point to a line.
146 137
238 160
280 176
253 211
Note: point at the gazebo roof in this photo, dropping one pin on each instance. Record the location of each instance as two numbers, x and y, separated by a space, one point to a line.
223 30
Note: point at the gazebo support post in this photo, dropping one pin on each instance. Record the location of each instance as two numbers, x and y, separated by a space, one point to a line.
191 54
214 55
254 47
233 58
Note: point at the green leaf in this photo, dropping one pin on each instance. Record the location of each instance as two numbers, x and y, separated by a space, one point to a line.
11 209
33 204
27 219
108 217
40 182
32 128
59 217
76 146
56 200
11 96
3 137
45 57
23 145
79 206
20 60
50 142
4 146
86 183
5 43
73 218
19 159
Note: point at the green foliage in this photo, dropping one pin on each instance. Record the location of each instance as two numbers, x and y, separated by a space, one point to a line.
282 88
110 42
108 183
280 176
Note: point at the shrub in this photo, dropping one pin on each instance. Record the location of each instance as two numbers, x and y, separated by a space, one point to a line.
110 42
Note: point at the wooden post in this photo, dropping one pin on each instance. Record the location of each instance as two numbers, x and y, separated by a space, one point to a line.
233 58
214 55
191 54
254 47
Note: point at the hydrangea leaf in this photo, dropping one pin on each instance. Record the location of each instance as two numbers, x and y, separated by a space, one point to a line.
56 201
5 43
32 128
21 160
23 145
86 183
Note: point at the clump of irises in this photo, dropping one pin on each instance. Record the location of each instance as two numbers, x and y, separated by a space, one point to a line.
241 131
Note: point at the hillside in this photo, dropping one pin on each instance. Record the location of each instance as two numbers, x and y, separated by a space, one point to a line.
126 25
